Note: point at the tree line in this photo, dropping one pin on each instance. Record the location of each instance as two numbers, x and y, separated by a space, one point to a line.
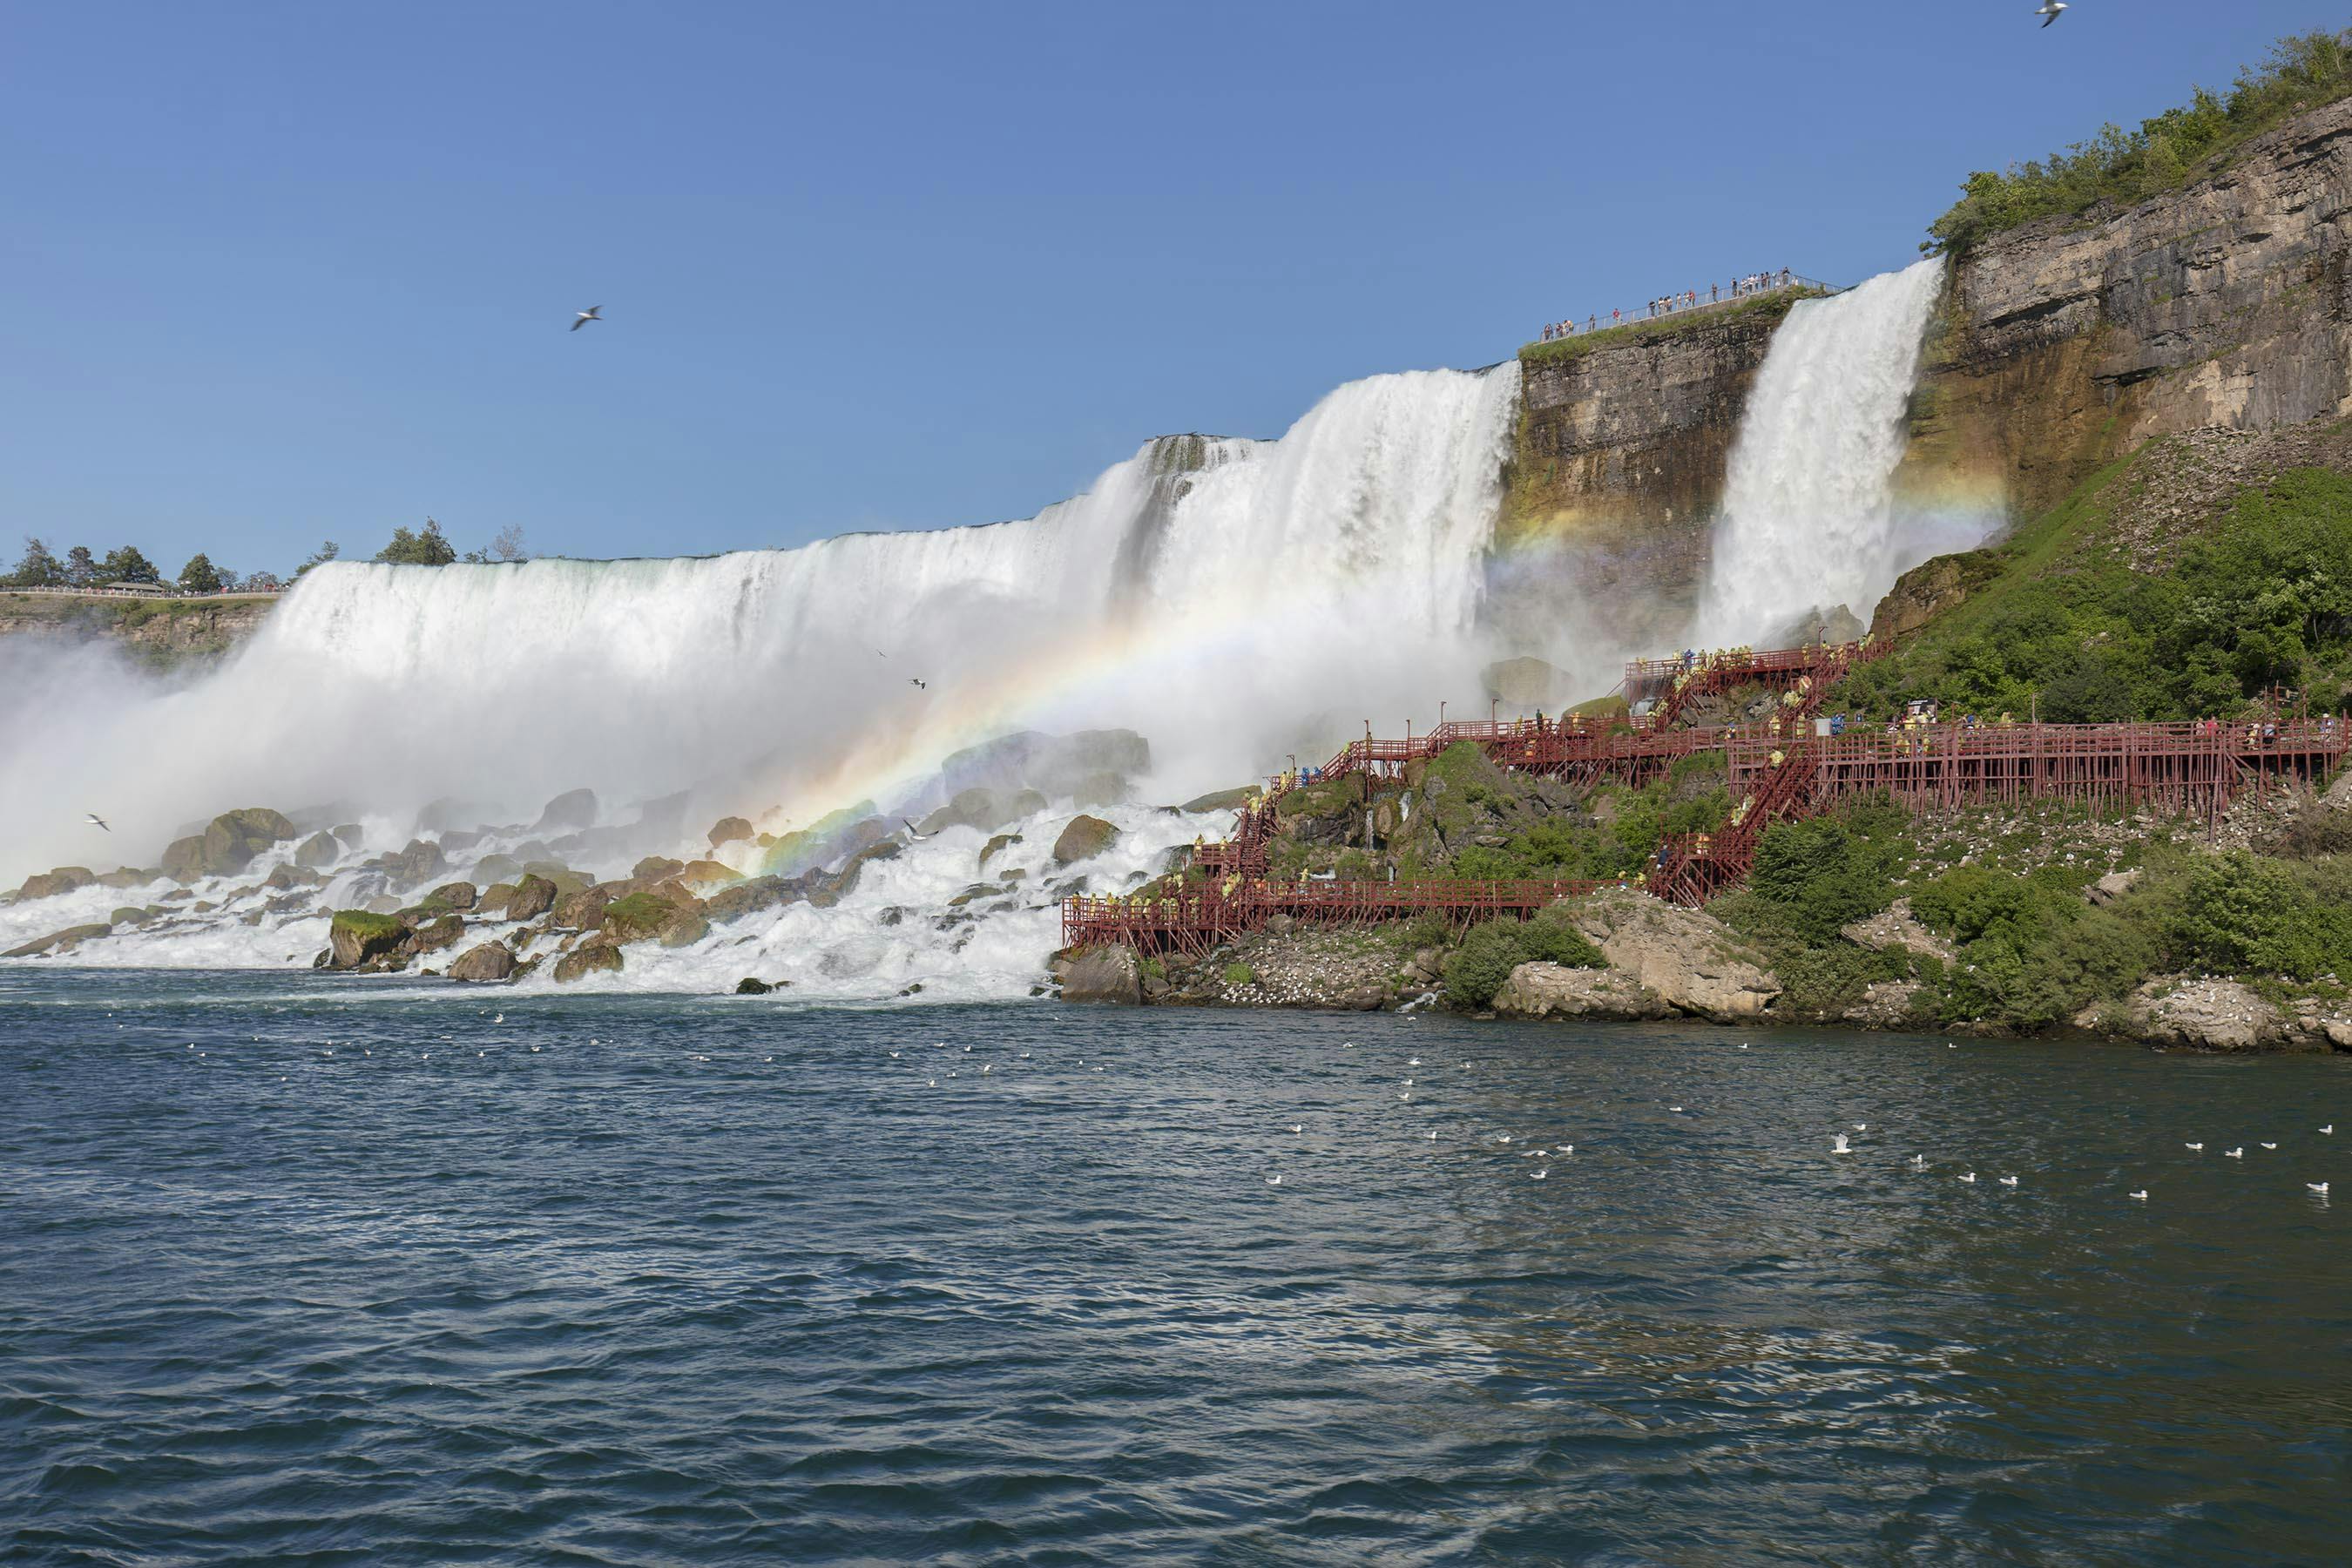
80 567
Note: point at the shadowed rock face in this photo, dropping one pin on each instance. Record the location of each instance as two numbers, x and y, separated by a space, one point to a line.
1102 974
491 961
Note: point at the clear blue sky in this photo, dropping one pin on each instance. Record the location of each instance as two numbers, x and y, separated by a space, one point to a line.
280 272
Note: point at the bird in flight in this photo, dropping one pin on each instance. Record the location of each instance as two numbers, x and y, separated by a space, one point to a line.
99 820
2050 9
919 685
918 837
582 317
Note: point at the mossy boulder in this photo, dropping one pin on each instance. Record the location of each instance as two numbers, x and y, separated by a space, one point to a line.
655 868
584 910
128 915
128 877
357 935
454 896
493 901
636 917
565 878
286 878
417 863
750 897
595 957
435 934
700 875
532 897
1083 839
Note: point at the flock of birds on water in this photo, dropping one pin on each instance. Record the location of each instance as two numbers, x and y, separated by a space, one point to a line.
1544 1151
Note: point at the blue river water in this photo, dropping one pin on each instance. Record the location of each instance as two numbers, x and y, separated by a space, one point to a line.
296 1268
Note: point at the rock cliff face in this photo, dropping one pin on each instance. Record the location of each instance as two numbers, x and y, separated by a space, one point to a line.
160 632
2067 342
1619 458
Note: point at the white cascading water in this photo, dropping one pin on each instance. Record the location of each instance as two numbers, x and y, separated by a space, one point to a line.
1206 593
1809 517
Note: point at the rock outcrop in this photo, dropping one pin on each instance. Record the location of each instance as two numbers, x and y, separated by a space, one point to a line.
594 957
357 936
1100 974
2203 1015
532 897
1553 991
568 812
1895 927
1689 959
52 884
58 942
492 961
729 830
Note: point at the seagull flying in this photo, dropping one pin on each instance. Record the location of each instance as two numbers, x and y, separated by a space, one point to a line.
918 837
2049 10
582 317
919 685
99 821
1840 1147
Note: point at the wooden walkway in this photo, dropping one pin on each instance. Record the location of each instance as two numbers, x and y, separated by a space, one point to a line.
1781 771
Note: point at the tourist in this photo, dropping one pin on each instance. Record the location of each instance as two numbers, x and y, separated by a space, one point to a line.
1592 323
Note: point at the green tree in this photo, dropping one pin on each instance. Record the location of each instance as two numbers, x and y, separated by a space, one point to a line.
127 564
428 547
39 569
1821 873
81 567
198 576
319 557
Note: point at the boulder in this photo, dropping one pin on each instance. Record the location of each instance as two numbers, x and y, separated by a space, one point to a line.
58 942
2115 884
357 935
234 838
183 859
1895 927
568 812
750 897
1083 839
729 830
494 869
1221 800
566 879
318 851
349 835
417 863
454 896
588 958
286 878
532 897
584 910
830 838
996 847
2199 1013
655 868
684 929
490 961
648 913
1552 991
1689 959
128 877
50 884
435 934
1101 974
750 986
128 915
701 875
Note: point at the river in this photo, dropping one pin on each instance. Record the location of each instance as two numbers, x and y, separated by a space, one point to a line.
295 1267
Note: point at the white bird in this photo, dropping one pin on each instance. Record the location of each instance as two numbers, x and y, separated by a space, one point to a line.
1743 1044
1406 1095
2329 1129
2320 1187
2270 1145
2237 1154
2194 1148
1415 1063
1918 1161
1505 1137
1432 1134
1675 1109
2049 10
1408 1083
894 1056
1539 1175
1273 1181
1841 1146
2141 1195
2009 1181
1298 1127
99 820
582 317
918 837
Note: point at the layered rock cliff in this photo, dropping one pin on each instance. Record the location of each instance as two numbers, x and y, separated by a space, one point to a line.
2067 342
160 632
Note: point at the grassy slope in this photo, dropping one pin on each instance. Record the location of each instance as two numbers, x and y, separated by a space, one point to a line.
1560 350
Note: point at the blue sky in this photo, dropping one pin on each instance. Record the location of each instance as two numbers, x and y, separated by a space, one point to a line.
275 273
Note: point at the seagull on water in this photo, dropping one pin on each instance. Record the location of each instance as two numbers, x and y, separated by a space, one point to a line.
2329 1129
1918 1161
1273 1181
2009 1181
1432 1134
582 317
1861 1127
2050 11
2237 1154
1539 1175
2194 1148
2320 1187
1841 1146
2270 1145
2141 1195
99 820
1969 1178
1298 1127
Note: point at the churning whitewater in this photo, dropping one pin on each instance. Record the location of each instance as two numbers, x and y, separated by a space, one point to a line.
1809 516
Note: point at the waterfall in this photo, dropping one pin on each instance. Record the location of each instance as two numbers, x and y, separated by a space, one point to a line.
1206 592
1809 516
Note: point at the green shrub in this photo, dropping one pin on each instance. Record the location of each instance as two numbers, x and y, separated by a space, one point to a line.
1476 970
1822 873
1239 974
2240 914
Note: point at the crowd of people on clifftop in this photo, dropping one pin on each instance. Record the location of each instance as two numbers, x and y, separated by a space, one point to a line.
1671 304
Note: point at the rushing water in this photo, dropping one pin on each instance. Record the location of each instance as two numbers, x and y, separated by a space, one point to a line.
647 1279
